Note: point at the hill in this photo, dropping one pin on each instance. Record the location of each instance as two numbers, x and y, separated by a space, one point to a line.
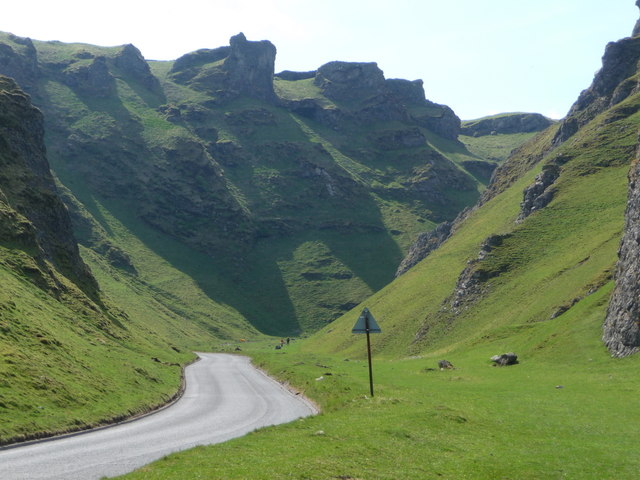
189 208
530 270
72 355
542 239
496 136
288 198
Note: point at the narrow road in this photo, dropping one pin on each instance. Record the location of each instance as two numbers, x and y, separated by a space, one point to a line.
225 398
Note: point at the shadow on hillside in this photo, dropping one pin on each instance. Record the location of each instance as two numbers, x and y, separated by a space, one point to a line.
260 297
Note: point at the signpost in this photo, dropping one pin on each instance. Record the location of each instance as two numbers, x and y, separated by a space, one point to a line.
367 324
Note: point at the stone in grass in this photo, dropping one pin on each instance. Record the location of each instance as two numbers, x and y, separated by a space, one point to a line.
445 364
504 359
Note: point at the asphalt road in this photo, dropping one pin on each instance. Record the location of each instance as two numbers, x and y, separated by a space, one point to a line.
225 398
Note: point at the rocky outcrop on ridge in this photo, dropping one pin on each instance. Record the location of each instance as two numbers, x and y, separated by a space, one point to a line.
438 118
20 61
91 78
131 61
344 80
244 67
506 124
378 98
613 83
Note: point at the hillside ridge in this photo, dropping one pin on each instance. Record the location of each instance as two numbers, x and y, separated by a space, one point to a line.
283 176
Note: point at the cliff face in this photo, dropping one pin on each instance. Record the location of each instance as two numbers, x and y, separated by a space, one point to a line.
619 79
622 324
613 83
33 216
242 68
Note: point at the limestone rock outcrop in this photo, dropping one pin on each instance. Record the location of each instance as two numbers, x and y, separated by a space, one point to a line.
29 203
438 118
244 67
20 61
93 79
424 244
614 82
538 194
339 80
131 62
621 331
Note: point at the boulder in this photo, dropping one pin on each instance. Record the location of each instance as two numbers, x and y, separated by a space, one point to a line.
504 359
445 364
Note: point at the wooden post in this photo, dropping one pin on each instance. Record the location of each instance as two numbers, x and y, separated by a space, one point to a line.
369 355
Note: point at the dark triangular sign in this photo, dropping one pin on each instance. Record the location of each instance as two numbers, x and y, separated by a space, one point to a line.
366 323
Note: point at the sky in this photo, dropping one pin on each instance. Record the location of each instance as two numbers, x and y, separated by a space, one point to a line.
478 57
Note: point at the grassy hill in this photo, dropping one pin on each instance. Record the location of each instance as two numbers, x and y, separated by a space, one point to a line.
535 282
76 351
202 216
261 192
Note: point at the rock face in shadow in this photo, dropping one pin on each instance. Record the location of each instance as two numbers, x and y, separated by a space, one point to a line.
20 62
32 216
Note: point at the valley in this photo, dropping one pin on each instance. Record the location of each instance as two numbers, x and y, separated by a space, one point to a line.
150 209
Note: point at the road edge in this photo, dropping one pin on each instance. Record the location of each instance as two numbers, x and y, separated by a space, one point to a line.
104 424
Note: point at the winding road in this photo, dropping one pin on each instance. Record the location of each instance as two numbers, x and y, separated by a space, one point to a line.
225 397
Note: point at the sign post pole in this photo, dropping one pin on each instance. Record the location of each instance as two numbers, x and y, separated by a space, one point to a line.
367 324
369 356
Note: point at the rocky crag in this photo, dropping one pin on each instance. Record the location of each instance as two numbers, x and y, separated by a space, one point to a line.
32 216
621 333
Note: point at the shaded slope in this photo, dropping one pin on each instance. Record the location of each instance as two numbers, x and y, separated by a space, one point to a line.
69 357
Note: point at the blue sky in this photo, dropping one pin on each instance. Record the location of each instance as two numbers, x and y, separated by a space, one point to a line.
478 57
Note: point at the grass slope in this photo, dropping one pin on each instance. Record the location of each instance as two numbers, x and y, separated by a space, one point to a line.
275 183
543 295
496 148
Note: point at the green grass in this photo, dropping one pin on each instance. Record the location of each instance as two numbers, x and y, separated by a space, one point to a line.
565 411
495 148
63 365
539 419
300 90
